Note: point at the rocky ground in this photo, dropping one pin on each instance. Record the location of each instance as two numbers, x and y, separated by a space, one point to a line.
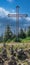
14 56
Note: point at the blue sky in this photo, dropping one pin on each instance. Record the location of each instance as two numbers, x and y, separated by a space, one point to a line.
10 5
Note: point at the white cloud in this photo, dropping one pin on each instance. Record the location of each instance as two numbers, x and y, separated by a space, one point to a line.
28 18
3 12
9 0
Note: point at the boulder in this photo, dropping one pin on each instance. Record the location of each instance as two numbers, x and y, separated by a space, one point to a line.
4 53
12 50
1 61
21 55
12 61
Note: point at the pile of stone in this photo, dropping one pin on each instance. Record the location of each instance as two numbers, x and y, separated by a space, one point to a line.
21 54
29 51
4 53
12 61
12 50
1 60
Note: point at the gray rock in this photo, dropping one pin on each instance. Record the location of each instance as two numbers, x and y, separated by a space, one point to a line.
21 55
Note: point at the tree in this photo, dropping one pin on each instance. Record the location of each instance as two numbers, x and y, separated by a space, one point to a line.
8 33
1 38
22 34
28 31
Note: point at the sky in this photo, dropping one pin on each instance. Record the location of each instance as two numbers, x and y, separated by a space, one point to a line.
9 6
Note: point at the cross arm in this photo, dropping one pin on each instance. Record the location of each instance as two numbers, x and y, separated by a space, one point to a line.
23 15
15 15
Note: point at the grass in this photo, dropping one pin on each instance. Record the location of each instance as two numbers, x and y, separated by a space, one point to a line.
25 40
0 49
25 43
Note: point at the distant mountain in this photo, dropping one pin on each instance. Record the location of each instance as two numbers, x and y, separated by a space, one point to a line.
23 23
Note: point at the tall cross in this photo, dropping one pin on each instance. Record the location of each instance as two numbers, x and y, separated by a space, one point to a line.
17 15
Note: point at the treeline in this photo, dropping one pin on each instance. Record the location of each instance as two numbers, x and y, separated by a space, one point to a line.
23 34
8 34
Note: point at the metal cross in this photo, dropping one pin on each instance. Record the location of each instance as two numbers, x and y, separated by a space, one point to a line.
17 15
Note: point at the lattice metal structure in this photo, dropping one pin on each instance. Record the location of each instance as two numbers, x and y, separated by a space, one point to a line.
17 15
17 20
